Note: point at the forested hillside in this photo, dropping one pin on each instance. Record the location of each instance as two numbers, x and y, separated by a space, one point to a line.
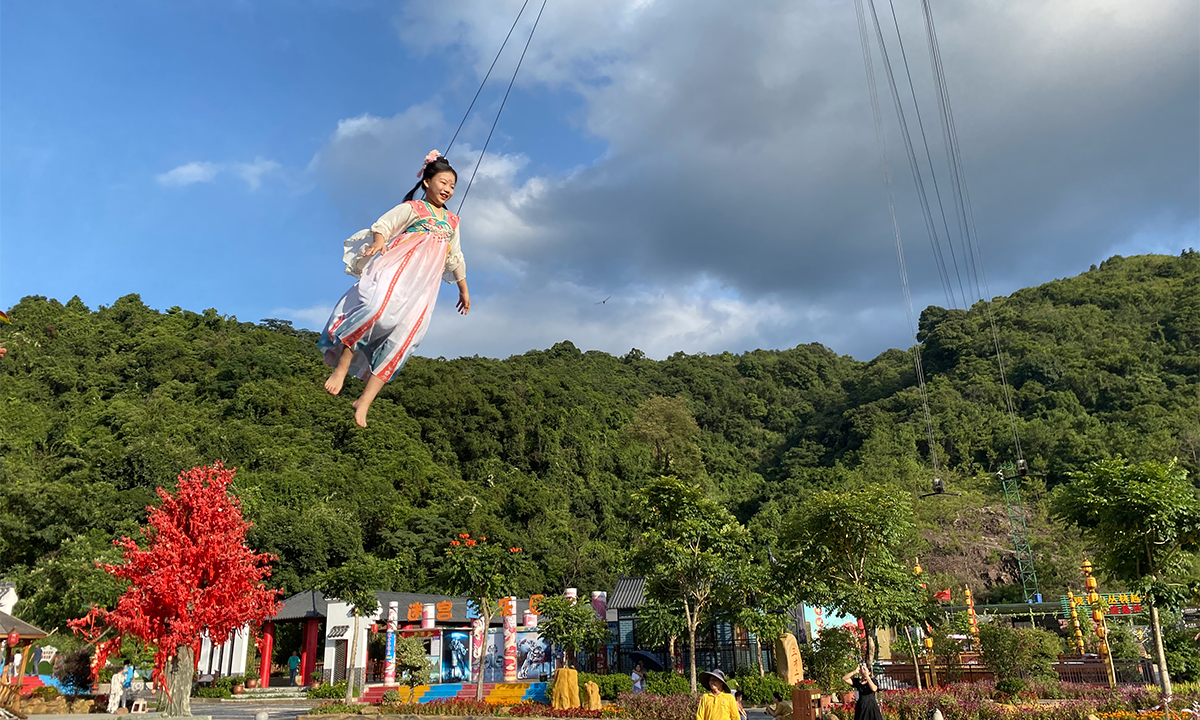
542 450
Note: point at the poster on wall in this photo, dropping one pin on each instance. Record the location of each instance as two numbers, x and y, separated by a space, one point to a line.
456 663
533 656
493 658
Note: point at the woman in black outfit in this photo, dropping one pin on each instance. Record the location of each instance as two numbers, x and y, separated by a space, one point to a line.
865 707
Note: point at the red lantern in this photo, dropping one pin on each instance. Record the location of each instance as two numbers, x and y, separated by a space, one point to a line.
14 637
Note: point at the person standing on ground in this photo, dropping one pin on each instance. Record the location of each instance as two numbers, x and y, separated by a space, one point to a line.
737 696
127 685
117 685
293 666
865 707
717 703
639 678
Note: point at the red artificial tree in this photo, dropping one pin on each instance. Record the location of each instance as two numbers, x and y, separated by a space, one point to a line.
195 577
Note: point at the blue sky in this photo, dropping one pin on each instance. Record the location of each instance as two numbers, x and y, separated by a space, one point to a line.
714 171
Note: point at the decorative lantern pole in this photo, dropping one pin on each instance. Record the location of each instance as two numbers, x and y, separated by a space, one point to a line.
1073 601
916 660
1093 599
971 616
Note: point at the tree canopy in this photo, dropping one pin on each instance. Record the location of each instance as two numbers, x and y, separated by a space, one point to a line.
544 450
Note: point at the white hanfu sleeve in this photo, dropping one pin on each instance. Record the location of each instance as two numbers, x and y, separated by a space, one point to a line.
394 221
456 264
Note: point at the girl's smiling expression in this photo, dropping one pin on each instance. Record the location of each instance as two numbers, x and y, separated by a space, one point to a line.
440 188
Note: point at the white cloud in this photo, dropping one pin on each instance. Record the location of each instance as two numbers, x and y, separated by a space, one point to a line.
193 172
739 202
312 318
253 172
196 172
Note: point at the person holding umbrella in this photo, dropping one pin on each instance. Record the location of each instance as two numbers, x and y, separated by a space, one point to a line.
717 703
638 676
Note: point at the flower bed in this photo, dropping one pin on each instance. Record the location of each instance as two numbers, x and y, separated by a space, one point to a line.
531 709
657 707
457 707
1067 701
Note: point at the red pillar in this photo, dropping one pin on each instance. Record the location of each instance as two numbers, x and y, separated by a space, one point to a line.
268 647
308 651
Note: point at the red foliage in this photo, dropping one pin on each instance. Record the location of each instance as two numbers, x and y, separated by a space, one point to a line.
196 574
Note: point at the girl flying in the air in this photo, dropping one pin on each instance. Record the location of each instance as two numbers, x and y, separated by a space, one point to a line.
378 323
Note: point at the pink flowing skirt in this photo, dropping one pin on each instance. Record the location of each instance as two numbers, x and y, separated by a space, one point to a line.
386 313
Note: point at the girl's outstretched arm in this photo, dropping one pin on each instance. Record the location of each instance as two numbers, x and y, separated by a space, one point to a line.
464 297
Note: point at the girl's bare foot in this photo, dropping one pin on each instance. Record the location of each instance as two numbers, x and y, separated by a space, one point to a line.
334 384
338 378
360 412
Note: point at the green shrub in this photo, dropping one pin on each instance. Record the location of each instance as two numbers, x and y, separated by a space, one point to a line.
1012 653
833 654
328 691
760 690
46 692
1010 687
611 686
391 697
666 684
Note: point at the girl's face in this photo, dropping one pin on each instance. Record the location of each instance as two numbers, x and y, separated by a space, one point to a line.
714 685
440 188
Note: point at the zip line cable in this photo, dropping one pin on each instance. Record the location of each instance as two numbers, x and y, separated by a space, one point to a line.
864 38
965 221
467 114
954 153
502 103
914 165
928 155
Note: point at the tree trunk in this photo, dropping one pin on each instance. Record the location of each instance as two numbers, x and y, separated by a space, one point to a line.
353 661
916 663
1160 655
178 675
487 621
692 651
671 653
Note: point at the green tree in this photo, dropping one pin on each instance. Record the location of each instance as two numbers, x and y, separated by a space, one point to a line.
1024 653
667 426
689 553
760 604
571 624
482 571
830 656
661 623
845 549
412 664
355 584
1144 521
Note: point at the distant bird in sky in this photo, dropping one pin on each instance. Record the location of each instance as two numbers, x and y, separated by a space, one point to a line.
604 300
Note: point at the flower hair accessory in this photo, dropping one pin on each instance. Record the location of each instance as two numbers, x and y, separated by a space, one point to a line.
431 157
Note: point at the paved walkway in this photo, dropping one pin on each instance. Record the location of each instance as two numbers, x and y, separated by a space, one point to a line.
218 711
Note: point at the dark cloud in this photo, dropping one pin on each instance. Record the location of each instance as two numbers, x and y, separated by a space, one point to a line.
742 155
